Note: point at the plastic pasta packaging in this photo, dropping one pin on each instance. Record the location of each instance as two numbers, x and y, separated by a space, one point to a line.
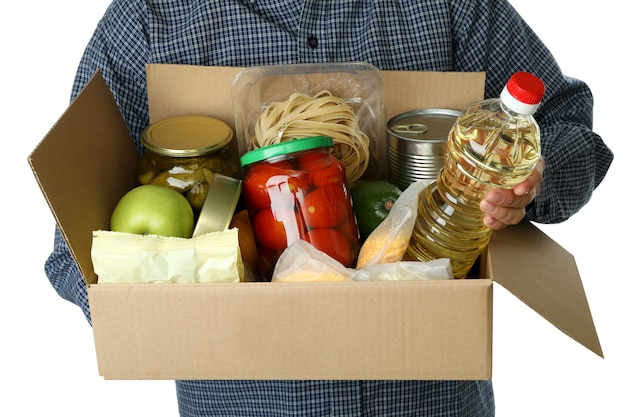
301 262
388 242
322 114
380 257
345 101
124 258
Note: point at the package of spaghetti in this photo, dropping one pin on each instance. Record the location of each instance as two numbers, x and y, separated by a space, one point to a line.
344 101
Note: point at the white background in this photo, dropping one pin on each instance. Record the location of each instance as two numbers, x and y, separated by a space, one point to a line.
47 360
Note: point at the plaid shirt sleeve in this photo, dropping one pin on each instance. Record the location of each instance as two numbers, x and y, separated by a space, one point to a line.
427 35
499 42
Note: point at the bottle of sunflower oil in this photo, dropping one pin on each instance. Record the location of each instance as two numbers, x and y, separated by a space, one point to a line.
493 143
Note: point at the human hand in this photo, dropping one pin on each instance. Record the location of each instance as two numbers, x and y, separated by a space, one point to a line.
506 207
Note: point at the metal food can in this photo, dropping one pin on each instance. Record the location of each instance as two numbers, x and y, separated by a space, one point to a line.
417 144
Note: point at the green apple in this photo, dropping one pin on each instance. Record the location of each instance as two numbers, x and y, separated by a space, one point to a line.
153 209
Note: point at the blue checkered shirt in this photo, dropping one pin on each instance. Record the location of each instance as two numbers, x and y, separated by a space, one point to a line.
437 35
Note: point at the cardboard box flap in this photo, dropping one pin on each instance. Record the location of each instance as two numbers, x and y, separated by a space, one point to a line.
409 90
174 90
543 275
179 90
83 166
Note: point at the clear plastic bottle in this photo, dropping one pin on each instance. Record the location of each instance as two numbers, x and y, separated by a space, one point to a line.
493 143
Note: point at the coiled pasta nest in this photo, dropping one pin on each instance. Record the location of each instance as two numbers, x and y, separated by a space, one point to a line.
323 114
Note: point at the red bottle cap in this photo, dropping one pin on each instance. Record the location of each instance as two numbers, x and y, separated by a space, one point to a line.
526 87
523 93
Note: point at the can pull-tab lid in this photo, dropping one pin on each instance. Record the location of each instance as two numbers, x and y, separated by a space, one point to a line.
410 129
219 205
523 93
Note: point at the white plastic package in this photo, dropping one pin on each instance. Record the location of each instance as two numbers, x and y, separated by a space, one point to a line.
121 258
380 257
301 262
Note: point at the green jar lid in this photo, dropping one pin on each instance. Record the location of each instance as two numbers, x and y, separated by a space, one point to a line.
284 148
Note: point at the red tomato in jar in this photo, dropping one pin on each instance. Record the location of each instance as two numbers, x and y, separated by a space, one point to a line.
284 164
335 244
267 185
277 229
313 161
325 207
267 262
349 228
297 181
254 187
328 171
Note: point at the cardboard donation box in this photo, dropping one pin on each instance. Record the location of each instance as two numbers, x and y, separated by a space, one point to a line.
346 330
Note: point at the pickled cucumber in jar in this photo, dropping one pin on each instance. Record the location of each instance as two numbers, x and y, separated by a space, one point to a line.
183 153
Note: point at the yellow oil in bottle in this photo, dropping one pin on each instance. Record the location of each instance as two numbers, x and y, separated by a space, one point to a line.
489 146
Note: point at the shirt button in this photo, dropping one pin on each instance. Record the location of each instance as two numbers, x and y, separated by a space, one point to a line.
312 42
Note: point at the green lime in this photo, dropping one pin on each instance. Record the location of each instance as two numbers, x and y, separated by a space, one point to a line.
372 201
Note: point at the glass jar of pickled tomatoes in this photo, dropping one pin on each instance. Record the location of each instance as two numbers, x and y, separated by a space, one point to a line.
297 190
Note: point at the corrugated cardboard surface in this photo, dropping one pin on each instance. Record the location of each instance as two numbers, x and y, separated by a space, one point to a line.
393 330
175 90
412 330
552 286
84 166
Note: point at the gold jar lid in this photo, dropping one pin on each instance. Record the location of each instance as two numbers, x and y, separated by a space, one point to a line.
183 136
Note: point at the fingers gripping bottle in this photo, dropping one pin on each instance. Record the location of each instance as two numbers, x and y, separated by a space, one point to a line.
493 143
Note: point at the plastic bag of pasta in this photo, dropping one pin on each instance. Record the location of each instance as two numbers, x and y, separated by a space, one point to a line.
302 262
388 242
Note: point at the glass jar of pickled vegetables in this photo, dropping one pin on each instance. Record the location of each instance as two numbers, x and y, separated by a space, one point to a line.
183 153
297 190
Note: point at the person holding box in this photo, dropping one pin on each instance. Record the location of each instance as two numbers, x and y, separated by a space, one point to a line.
420 35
